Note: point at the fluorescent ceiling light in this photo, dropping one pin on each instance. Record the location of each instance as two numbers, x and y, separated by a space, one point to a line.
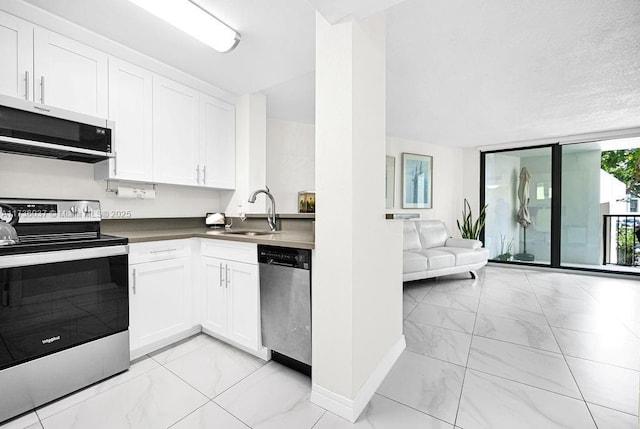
193 20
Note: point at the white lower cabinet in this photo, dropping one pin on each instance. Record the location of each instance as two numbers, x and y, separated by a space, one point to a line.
232 301
180 287
160 301
160 294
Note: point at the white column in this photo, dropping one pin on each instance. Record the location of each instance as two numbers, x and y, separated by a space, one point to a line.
251 154
357 274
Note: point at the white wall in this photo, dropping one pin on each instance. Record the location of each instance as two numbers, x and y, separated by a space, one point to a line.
357 277
471 177
291 161
251 147
31 177
291 168
448 175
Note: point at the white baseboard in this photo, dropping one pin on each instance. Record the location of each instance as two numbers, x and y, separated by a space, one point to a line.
351 409
149 348
262 353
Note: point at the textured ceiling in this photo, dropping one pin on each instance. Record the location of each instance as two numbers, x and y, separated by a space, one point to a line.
484 72
459 72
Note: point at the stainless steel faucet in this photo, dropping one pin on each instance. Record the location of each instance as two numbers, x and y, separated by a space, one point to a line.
271 215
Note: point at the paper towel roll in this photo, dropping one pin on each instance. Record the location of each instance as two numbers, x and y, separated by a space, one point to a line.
124 192
135 193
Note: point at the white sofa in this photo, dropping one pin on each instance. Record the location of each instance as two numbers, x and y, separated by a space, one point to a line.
429 251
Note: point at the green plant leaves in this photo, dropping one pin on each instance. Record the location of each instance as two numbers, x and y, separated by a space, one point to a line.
469 228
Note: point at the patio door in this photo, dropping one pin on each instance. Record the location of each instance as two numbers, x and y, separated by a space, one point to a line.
518 190
578 210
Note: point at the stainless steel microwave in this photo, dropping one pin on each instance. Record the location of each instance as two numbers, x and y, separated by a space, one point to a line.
36 129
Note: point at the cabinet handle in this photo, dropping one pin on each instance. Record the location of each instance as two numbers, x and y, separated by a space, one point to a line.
163 250
221 274
134 281
228 277
26 85
115 163
198 173
204 174
42 89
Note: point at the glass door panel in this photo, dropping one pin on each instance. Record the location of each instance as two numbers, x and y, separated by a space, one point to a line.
600 224
518 196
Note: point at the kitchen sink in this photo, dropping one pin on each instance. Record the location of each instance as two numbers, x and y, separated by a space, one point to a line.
250 233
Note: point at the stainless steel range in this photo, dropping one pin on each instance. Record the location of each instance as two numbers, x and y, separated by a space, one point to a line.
64 309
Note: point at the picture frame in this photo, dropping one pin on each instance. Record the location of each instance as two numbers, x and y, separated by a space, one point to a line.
390 177
417 181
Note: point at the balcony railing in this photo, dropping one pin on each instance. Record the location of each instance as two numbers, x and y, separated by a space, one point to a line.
621 239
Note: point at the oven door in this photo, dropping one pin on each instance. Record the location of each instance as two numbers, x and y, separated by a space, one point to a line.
51 301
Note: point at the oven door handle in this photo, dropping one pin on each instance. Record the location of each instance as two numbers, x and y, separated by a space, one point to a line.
27 259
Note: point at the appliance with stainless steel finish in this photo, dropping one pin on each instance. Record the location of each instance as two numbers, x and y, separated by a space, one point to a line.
271 215
40 130
64 303
8 234
285 303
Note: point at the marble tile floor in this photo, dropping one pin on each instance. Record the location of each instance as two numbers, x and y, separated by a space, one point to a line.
510 349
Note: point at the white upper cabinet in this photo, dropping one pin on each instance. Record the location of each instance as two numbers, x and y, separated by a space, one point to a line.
69 74
42 66
16 51
131 108
217 143
165 132
175 133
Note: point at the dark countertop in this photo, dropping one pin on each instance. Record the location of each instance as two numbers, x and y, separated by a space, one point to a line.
292 238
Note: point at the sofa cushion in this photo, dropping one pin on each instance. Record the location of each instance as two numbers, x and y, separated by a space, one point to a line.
464 243
413 262
411 240
433 233
468 256
439 258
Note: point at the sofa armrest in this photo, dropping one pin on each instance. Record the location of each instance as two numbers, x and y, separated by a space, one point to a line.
464 243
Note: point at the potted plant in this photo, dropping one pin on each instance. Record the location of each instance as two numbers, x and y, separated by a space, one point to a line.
505 255
469 228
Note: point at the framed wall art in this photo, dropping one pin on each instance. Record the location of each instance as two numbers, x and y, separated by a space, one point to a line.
417 181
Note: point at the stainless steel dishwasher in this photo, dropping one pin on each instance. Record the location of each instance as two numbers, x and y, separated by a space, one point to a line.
285 304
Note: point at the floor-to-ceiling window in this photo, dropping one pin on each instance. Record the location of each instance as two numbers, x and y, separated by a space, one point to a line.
518 192
600 218
564 205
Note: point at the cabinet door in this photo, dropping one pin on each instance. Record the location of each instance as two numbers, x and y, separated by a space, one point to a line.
130 107
243 301
215 294
160 300
217 143
16 52
69 75
175 133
